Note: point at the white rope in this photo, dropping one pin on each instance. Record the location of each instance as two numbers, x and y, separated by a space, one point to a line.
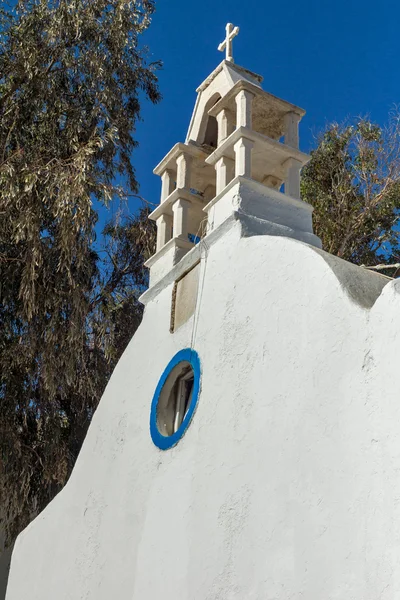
203 246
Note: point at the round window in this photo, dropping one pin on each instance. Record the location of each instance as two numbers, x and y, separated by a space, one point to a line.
175 399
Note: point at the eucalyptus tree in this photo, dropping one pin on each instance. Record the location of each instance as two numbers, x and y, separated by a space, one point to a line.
73 74
353 182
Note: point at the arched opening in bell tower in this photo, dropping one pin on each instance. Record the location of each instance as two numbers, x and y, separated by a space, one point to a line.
211 135
210 125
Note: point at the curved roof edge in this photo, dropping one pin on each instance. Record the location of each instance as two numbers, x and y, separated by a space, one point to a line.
363 286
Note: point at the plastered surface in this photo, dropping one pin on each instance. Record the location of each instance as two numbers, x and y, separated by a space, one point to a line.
287 482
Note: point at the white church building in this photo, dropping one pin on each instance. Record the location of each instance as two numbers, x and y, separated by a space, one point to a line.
247 446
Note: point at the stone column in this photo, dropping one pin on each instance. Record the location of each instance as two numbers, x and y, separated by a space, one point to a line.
184 168
180 209
223 125
225 170
291 125
164 230
292 180
244 101
167 183
243 148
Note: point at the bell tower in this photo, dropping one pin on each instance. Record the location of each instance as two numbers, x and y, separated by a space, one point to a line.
240 159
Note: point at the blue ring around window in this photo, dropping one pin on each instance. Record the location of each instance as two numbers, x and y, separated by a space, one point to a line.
161 441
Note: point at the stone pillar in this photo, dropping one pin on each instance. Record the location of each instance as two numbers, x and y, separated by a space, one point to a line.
184 168
164 230
292 180
225 170
223 125
167 183
243 148
291 125
244 101
180 209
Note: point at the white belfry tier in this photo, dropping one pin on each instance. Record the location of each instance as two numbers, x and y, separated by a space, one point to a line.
237 131
258 157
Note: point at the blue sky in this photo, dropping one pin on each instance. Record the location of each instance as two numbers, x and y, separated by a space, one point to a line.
335 59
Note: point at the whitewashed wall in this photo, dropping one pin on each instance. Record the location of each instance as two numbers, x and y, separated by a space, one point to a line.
286 484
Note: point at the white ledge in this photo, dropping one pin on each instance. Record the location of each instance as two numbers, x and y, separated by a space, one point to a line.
275 151
169 161
261 189
165 208
172 243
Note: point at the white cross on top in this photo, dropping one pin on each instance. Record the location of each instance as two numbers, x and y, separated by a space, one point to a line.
231 32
